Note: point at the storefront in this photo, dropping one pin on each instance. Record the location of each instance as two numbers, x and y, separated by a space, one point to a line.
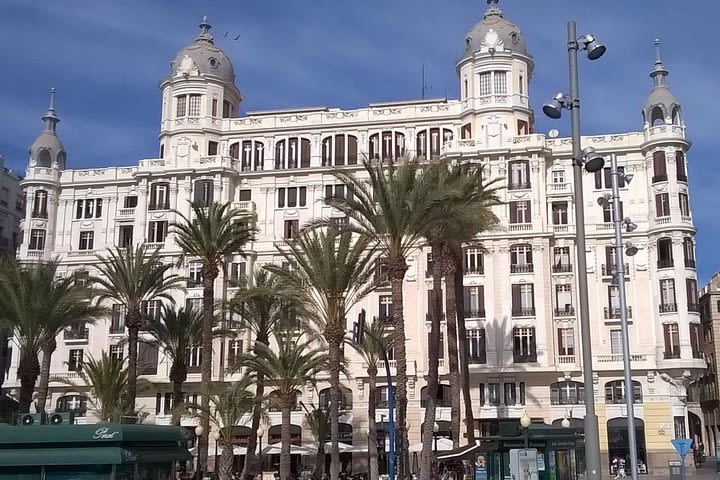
560 452
103 451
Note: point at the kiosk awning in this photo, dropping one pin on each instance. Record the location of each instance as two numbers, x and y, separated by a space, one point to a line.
89 456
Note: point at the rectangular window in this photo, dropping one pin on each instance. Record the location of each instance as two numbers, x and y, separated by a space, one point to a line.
500 83
473 261
521 260
510 394
482 394
385 307
614 301
692 295
667 295
75 360
519 175
157 232
147 359
520 212
159 196
485 83
212 148
672 340
441 345
86 240
476 345
662 205
181 103
524 345
117 352
561 259
125 238
523 300
560 213
203 192
494 394
237 272
130 201
194 274
194 110
684 204
235 349
616 342
117 321
563 298
566 341
291 229
214 107
608 212
37 239
152 308
522 393
474 298
245 195
558 176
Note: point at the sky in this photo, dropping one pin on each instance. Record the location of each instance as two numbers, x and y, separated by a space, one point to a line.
106 59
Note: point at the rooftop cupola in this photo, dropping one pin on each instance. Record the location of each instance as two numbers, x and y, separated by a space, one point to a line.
661 108
47 149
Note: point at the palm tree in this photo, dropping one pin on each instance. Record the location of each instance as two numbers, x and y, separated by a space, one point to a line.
464 212
211 234
68 306
289 367
176 331
377 339
331 274
319 421
263 305
228 408
132 277
107 379
384 207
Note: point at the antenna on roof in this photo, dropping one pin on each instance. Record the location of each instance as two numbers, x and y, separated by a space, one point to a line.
424 86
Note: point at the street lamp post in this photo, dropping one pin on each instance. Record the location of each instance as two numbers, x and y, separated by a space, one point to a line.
260 434
216 437
594 51
436 429
198 433
525 422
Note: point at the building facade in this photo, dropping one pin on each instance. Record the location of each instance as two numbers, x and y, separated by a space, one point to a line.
520 301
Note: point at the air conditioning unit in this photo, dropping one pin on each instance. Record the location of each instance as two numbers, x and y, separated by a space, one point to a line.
27 419
62 418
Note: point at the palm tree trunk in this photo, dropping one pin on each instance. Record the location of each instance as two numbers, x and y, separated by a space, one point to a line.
28 371
178 375
428 457
286 403
133 320
209 274
47 350
334 358
226 461
462 345
452 341
396 271
4 335
372 429
252 462
319 470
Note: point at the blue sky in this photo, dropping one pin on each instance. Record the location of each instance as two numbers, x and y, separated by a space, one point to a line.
107 57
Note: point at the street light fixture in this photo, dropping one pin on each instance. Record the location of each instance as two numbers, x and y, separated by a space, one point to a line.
525 422
436 429
630 249
198 433
553 110
216 437
260 434
565 422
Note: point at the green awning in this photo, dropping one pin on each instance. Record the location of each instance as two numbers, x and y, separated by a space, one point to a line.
89 456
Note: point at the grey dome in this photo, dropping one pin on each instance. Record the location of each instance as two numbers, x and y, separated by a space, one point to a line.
493 31
47 150
202 57
661 104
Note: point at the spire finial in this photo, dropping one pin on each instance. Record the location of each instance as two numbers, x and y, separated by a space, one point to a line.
52 100
50 118
205 26
658 60
493 8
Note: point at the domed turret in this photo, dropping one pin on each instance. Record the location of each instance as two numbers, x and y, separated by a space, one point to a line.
47 150
202 57
661 107
494 33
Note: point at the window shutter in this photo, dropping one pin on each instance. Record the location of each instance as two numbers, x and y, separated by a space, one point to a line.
303 196
533 345
281 197
481 298
466 299
598 180
513 212
528 255
516 297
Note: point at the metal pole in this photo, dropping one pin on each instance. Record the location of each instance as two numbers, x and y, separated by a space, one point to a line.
527 439
260 455
592 434
391 418
620 276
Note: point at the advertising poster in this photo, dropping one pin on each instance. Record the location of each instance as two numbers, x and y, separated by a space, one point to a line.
481 467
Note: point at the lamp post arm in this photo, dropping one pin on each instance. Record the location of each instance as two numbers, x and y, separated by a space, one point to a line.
620 276
592 434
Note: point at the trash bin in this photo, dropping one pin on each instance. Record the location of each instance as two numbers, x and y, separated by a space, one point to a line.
675 468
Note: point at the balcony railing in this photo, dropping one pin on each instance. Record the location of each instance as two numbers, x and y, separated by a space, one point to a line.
659 178
228 325
566 359
618 357
159 206
690 262
39 214
76 334
672 354
524 357
667 307
567 311
520 227
521 268
518 185
609 270
614 312
665 263
523 312
474 271
475 313
693 307
562 268
126 212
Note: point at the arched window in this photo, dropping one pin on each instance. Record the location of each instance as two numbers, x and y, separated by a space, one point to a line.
339 149
676 116
61 159
386 146
680 166
615 392
659 167
293 152
442 397
44 159
431 140
253 155
76 404
519 175
346 402
40 204
567 393
657 117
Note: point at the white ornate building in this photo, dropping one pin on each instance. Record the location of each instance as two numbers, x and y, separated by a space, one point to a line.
520 295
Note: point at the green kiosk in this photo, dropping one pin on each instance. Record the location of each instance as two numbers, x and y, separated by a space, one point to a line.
102 451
